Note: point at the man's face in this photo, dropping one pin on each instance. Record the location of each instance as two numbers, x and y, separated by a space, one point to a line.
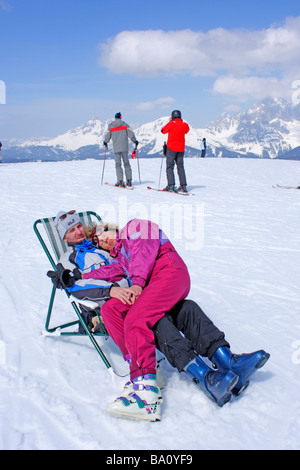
75 234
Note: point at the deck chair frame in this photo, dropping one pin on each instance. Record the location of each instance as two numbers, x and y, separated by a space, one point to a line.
58 247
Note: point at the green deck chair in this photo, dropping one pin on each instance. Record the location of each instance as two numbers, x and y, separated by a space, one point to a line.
54 247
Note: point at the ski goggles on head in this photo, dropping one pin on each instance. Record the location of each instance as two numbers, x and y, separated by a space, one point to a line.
63 216
96 233
66 220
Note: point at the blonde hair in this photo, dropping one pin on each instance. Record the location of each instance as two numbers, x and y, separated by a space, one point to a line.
89 229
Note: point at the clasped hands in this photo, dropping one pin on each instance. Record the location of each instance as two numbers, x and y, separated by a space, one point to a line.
127 295
64 278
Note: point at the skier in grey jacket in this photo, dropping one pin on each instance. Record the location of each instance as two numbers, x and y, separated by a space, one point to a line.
120 132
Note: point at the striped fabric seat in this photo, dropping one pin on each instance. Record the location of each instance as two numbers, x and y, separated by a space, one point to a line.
54 247
57 244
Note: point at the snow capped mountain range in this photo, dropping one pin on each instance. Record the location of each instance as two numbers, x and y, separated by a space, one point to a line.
268 129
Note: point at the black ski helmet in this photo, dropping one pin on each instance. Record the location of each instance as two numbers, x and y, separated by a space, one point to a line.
176 114
118 115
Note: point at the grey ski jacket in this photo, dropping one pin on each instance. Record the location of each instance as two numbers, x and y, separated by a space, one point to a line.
119 132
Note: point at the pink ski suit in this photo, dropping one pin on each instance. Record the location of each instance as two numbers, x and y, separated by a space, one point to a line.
145 254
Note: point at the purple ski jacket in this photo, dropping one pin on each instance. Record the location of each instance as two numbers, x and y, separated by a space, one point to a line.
138 245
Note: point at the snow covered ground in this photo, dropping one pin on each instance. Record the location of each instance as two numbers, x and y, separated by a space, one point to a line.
240 239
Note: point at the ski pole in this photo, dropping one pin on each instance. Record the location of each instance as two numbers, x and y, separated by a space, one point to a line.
103 165
161 167
138 163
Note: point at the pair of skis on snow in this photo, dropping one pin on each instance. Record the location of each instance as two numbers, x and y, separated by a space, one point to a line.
286 187
181 193
153 189
121 187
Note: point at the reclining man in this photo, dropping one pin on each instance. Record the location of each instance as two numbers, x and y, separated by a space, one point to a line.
200 336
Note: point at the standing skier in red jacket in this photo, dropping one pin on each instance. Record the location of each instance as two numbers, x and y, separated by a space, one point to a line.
176 130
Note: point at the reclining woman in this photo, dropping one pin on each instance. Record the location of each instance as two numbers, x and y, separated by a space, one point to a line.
159 279
143 252
201 336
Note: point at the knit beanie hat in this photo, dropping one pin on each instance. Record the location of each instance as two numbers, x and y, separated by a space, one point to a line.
65 220
118 115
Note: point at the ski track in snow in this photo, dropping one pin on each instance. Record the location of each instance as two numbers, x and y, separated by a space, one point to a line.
245 275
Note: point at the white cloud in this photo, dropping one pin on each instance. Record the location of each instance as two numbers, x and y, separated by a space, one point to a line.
258 88
152 53
157 52
228 56
159 103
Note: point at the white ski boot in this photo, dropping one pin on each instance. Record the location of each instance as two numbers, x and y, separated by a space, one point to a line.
140 400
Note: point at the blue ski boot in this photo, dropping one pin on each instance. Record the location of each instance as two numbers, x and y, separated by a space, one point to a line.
243 365
217 385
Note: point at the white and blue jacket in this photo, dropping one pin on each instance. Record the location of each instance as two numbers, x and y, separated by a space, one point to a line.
86 257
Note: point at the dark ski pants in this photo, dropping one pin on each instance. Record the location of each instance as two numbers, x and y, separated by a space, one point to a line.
199 335
172 158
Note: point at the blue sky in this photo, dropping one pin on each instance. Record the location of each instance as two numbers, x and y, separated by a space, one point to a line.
66 61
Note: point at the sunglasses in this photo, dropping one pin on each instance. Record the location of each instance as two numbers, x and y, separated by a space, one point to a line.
62 217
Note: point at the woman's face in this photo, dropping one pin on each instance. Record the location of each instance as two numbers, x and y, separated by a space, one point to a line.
107 240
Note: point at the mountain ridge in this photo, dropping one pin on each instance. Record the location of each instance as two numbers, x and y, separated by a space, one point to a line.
268 129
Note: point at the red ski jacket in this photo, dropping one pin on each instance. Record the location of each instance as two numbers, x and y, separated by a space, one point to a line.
176 138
